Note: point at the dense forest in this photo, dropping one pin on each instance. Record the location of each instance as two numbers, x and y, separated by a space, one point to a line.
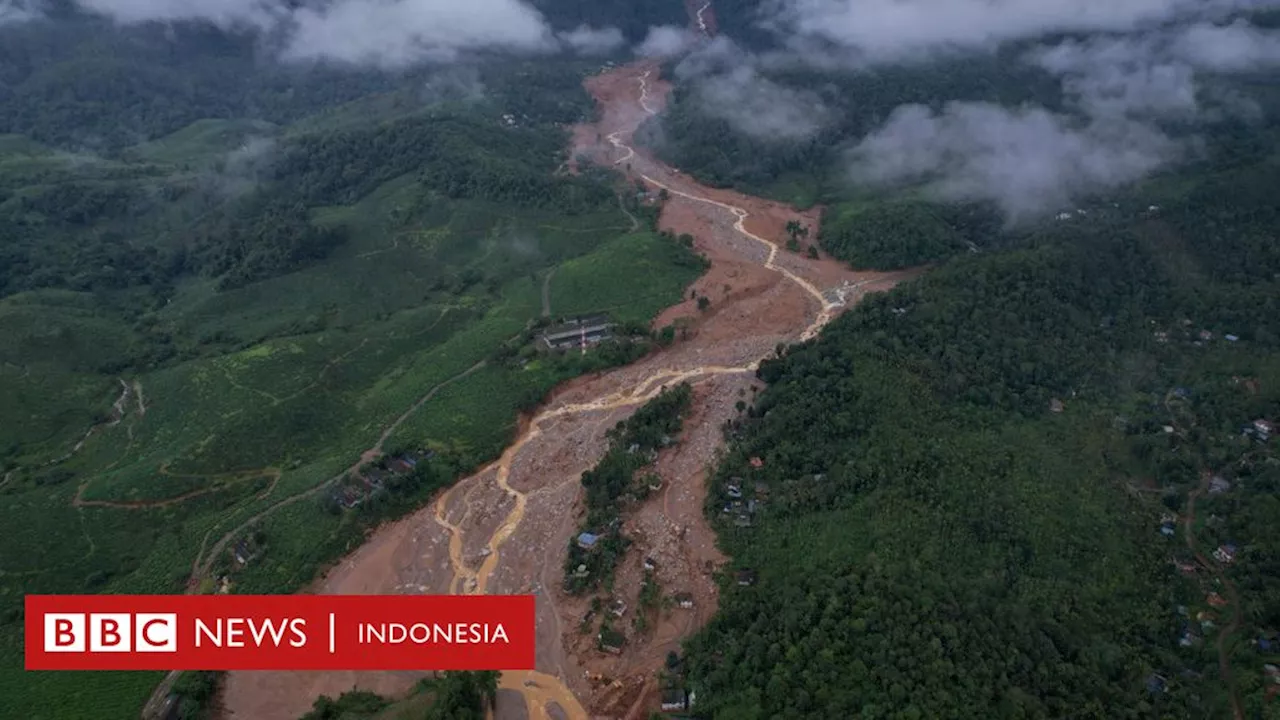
963 480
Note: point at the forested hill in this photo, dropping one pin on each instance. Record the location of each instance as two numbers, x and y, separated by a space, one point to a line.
964 480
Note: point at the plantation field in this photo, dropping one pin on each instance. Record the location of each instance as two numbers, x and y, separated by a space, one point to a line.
633 277
278 387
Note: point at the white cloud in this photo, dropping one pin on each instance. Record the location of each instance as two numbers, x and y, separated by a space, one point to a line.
727 85
1027 160
394 33
1228 48
385 33
1155 73
225 13
587 40
13 12
892 30
665 41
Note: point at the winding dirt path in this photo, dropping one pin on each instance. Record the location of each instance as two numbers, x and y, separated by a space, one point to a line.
546 293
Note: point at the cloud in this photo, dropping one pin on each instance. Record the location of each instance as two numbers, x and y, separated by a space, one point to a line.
1156 73
224 13
665 41
587 40
1228 48
1027 160
727 85
896 30
384 33
13 12
242 169
396 33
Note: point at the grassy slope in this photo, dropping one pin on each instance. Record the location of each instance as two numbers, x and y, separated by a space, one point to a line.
317 363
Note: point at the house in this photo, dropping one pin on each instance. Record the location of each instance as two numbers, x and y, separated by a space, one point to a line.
1231 338
1167 530
1263 429
375 478
674 700
349 497
1218 485
587 541
762 491
1055 405
757 463
1268 643
734 491
746 578
635 448
1161 336
619 608
581 572
742 521
684 599
243 555
650 565
1188 638
655 483
1225 554
1167 428
1156 684
1185 567
576 332
1206 335
1215 600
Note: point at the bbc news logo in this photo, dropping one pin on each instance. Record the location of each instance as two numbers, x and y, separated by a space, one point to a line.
279 632
111 632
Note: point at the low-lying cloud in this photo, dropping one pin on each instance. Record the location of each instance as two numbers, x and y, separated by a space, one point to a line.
383 33
727 85
1027 160
665 41
1156 73
587 40
13 12
896 30
224 13
395 33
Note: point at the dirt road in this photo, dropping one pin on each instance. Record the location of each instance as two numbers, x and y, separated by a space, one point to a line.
505 529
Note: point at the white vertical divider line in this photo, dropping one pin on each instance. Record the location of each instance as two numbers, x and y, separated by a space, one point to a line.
330 633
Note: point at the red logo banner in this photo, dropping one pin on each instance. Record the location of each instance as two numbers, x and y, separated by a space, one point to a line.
280 632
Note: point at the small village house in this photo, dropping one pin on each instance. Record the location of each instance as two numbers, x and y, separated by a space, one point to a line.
674 700
684 600
587 541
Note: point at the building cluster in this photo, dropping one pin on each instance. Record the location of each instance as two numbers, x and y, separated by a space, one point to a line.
354 490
